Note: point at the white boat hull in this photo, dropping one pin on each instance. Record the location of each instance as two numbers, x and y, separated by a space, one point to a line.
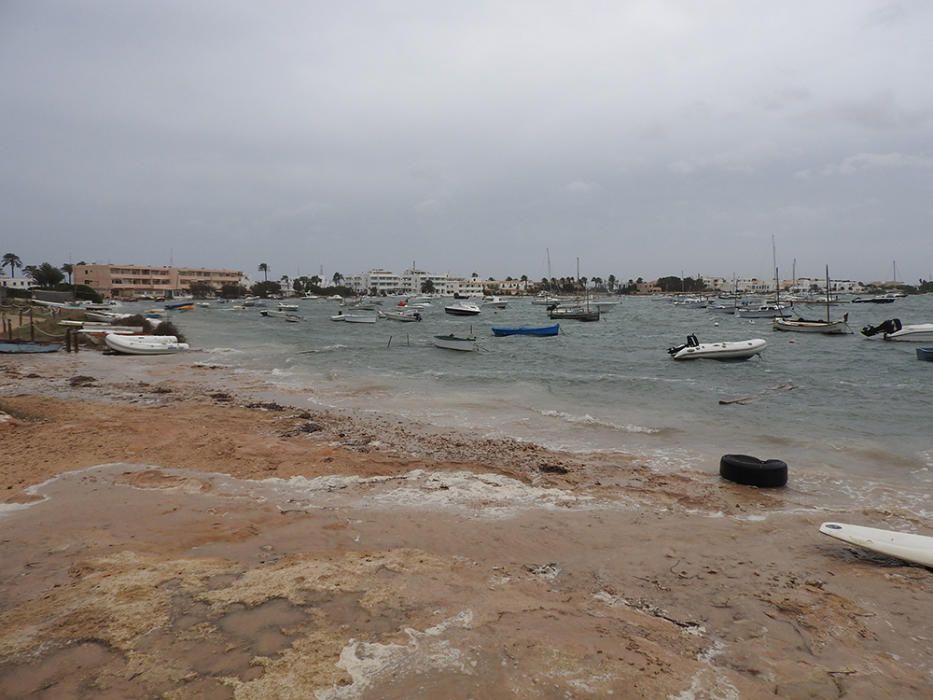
822 327
917 333
145 344
454 342
462 309
917 549
738 350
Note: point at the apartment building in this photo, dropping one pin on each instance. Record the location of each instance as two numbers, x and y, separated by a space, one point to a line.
114 281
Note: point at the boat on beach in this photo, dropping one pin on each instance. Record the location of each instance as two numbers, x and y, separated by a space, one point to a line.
893 329
455 342
17 347
144 344
693 349
537 331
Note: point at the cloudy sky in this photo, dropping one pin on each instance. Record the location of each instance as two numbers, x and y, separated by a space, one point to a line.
645 138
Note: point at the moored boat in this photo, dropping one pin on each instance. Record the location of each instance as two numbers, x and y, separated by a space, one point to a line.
537 331
881 299
573 313
403 316
802 325
455 342
925 354
462 308
693 349
893 329
764 311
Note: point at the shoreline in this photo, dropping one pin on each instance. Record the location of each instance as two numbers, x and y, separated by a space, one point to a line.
363 556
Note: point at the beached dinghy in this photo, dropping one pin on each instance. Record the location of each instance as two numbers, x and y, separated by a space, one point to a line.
145 344
693 349
893 329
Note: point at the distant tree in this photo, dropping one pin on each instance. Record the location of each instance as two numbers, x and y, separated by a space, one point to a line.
427 287
68 269
233 291
337 279
12 261
285 281
201 290
474 275
265 289
611 282
47 275
316 282
299 284
264 269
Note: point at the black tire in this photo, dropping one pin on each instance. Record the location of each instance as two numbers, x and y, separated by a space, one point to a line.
751 471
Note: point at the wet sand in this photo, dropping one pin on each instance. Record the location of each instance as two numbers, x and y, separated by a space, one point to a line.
168 533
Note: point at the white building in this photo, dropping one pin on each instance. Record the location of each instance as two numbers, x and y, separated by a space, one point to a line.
17 282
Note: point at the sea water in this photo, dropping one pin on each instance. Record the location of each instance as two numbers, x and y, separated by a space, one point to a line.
837 406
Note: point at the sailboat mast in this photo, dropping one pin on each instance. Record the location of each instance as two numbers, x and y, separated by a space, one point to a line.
827 294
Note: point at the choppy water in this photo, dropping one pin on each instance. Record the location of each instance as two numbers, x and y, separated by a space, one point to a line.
858 407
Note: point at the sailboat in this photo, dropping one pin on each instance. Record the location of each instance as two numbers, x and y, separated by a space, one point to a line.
827 327
575 313
777 309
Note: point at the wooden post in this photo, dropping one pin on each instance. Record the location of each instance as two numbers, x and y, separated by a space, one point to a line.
32 327
67 340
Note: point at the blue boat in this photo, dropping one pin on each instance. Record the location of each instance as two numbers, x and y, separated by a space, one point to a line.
30 346
539 331
925 354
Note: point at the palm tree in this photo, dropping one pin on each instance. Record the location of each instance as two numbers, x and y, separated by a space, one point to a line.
68 268
11 259
264 269
338 278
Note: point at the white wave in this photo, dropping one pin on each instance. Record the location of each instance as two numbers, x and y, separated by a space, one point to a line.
222 350
326 348
587 419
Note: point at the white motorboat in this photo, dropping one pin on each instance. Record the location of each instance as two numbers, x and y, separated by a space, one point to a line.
495 301
462 308
455 342
287 307
764 311
339 316
360 318
144 344
403 316
692 302
546 300
273 313
893 329
693 349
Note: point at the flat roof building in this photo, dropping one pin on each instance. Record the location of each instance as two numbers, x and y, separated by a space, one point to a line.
114 281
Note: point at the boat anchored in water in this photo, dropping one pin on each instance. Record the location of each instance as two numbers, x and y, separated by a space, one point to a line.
455 342
462 308
893 329
693 349
537 331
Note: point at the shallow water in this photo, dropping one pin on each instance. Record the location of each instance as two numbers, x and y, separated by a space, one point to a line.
855 407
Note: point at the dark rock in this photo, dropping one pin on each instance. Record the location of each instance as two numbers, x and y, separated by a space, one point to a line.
161 390
81 380
553 469
221 396
266 406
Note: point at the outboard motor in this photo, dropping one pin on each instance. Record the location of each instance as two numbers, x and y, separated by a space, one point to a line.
892 325
692 342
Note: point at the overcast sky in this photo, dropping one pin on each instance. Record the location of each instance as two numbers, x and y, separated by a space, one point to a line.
644 137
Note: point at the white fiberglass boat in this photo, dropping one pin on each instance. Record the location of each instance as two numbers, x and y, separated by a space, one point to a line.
403 316
893 329
462 308
144 344
693 349
496 302
455 342
764 311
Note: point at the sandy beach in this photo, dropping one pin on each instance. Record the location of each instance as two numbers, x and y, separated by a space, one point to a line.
170 532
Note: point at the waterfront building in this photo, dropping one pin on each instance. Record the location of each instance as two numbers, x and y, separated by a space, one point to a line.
16 282
114 281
